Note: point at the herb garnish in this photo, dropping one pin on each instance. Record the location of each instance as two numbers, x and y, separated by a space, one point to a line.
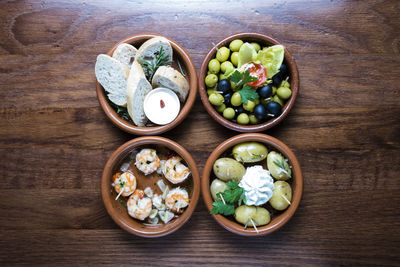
241 79
122 111
281 164
233 194
151 66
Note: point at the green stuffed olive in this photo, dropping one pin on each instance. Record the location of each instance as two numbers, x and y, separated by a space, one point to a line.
259 216
250 152
281 195
278 167
217 186
228 169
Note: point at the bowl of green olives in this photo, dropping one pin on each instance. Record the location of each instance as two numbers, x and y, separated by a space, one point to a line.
252 184
248 82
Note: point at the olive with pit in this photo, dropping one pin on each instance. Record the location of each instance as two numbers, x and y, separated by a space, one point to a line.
281 195
278 167
228 169
247 215
217 186
249 152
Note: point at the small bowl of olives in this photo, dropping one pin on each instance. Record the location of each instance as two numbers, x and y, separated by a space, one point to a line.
252 184
248 82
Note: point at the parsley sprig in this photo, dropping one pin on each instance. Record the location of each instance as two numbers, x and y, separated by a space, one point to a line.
225 205
151 66
242 79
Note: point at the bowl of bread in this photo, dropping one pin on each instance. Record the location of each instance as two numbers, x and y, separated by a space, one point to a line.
146 84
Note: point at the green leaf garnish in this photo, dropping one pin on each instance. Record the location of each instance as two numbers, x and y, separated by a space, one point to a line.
220 208
241 78
151 67
233 194
248 93
281 164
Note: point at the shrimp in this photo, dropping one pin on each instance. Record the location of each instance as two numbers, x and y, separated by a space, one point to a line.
139 206
177 199
147 161
175 171
124 184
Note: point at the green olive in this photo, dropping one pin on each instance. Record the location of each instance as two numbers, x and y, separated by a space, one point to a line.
235 58
284 93
228 169
281 195
253 119
249 106
223 54
243 118
278 100
210 91
234 86
285 84
278 167
220 108
256 46
274 90
211 80
265 101
236 99
217 186
256 101
249 152
249 215
229 113
222 77
235 45
227 65
214 66
216 99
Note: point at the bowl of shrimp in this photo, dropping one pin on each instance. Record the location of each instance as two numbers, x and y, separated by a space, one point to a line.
150 186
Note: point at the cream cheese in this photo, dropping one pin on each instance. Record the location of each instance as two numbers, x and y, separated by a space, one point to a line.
257 184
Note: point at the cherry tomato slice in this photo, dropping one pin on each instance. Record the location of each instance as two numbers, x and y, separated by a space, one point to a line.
259 71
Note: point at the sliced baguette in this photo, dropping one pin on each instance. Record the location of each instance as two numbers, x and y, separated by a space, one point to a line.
125 53
150 49
138 88
112 75
170 78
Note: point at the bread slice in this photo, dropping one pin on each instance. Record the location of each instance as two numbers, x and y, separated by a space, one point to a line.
125 53
170 78
112 75
138 88
150 49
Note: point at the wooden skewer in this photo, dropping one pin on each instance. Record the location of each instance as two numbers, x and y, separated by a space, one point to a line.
216 48
222 198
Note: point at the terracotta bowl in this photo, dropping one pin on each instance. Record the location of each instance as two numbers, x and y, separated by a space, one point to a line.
294 80
277 220
188 69
117 209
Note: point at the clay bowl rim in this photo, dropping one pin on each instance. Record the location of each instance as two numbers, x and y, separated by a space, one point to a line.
152 130
275 223
122 152
294 75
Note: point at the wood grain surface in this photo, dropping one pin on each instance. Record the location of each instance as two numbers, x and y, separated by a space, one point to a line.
344 129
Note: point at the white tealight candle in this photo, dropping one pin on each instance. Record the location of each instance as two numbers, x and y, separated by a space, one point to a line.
161 106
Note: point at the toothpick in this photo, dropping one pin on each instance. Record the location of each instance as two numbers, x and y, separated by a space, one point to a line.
222 198
216 48
120 192
254 225
287 78
287 200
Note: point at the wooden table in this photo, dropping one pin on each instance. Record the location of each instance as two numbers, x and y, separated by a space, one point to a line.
344 129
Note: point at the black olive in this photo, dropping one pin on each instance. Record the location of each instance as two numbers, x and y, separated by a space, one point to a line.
260 112
265 91
283 70
224 86
227 99
274 108
277 79
239 110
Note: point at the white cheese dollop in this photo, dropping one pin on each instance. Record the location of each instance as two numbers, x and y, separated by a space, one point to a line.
257 184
